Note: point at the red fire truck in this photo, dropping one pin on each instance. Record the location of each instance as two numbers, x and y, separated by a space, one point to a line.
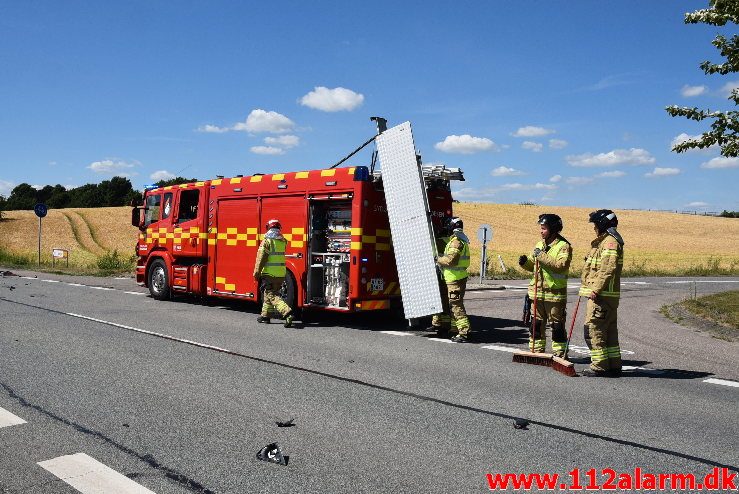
202 238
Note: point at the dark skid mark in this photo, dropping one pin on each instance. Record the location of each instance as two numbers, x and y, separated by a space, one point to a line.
556 427
149 459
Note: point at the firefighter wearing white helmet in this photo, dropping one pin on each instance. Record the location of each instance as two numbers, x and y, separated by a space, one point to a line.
601 283
552 255
270 271
454 264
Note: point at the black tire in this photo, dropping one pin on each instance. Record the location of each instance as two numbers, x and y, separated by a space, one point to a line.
289 292
159 280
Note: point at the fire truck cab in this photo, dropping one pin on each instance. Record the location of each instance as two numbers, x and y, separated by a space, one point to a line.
202 238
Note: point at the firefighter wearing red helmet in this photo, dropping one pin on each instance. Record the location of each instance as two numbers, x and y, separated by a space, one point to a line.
270 271
454 264
553 254
601 283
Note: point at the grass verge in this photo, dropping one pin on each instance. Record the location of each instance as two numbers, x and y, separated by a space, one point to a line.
717 314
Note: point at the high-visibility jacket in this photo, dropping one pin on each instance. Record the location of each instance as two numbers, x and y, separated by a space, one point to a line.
271 257
603 265
554 263
456 258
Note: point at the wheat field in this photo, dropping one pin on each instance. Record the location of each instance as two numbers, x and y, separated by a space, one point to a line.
656 242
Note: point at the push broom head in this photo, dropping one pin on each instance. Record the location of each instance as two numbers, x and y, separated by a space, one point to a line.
533 358
563 366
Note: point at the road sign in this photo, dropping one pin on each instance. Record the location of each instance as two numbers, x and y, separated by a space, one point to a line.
485 233
40 209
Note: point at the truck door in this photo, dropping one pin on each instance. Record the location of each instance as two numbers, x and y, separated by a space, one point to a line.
189 231
291 211
236 244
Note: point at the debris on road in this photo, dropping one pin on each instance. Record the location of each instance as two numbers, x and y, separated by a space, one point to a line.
522 424
287 423
272 453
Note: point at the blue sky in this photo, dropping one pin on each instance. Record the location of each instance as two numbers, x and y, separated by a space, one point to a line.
556 102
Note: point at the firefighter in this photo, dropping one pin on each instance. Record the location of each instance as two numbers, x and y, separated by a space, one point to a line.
554 255
269 271
601 283
454 264
441 323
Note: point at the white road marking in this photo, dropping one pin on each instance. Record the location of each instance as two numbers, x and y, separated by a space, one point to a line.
51 281
7 419
397 333
75 284
100 287
722 382
121 278
135 293
501 348
635 283
680 282
89 476
442 340
583 350
28 278
645 370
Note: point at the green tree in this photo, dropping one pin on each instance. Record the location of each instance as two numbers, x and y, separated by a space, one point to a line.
725 124
23 196
175 181
3 201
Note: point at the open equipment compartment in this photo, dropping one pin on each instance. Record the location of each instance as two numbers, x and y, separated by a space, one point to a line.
329 252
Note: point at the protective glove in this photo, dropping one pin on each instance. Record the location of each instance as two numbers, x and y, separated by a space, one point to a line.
537 251
522 260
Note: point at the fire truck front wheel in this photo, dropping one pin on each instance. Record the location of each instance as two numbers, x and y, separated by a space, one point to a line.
159 280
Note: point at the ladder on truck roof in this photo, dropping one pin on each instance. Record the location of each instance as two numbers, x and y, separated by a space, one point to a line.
410 222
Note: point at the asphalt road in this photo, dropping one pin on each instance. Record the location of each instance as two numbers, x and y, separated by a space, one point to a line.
179 396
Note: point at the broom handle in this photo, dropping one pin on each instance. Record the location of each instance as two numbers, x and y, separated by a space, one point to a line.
533 319
572 326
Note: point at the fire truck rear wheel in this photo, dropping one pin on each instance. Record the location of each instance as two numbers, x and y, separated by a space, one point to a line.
289 291
159 280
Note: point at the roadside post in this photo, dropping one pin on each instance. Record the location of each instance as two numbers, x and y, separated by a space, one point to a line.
484 235
40 209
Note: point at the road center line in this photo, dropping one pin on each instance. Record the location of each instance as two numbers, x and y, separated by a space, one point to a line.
396 333
89 476
501 348
7 419
722 382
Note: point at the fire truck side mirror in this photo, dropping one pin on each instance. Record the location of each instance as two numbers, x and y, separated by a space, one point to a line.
136 217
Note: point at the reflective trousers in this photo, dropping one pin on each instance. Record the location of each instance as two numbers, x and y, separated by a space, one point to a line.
454 317
271 296
601 334
552 314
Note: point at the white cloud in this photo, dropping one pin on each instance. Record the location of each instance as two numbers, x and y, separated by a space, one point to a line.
578 180
213 129
162 175
266 150
532 146
557 144
633 156
265 121
555 178
332 100
690 91
287 141
113 167
531 131
465 144
697 204
613 174
729 87
536 186
6 188
662 172
721 162
504 171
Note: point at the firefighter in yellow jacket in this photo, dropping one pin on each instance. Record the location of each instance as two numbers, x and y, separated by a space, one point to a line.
454 264
553 255
601 283
270 271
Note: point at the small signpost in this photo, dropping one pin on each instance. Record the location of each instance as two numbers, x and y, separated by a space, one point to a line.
40 209
59 254
484 235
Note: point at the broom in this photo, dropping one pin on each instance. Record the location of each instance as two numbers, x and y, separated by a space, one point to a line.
561 364
534 357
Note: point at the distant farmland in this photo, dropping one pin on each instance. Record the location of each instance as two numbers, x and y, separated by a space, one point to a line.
656 242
